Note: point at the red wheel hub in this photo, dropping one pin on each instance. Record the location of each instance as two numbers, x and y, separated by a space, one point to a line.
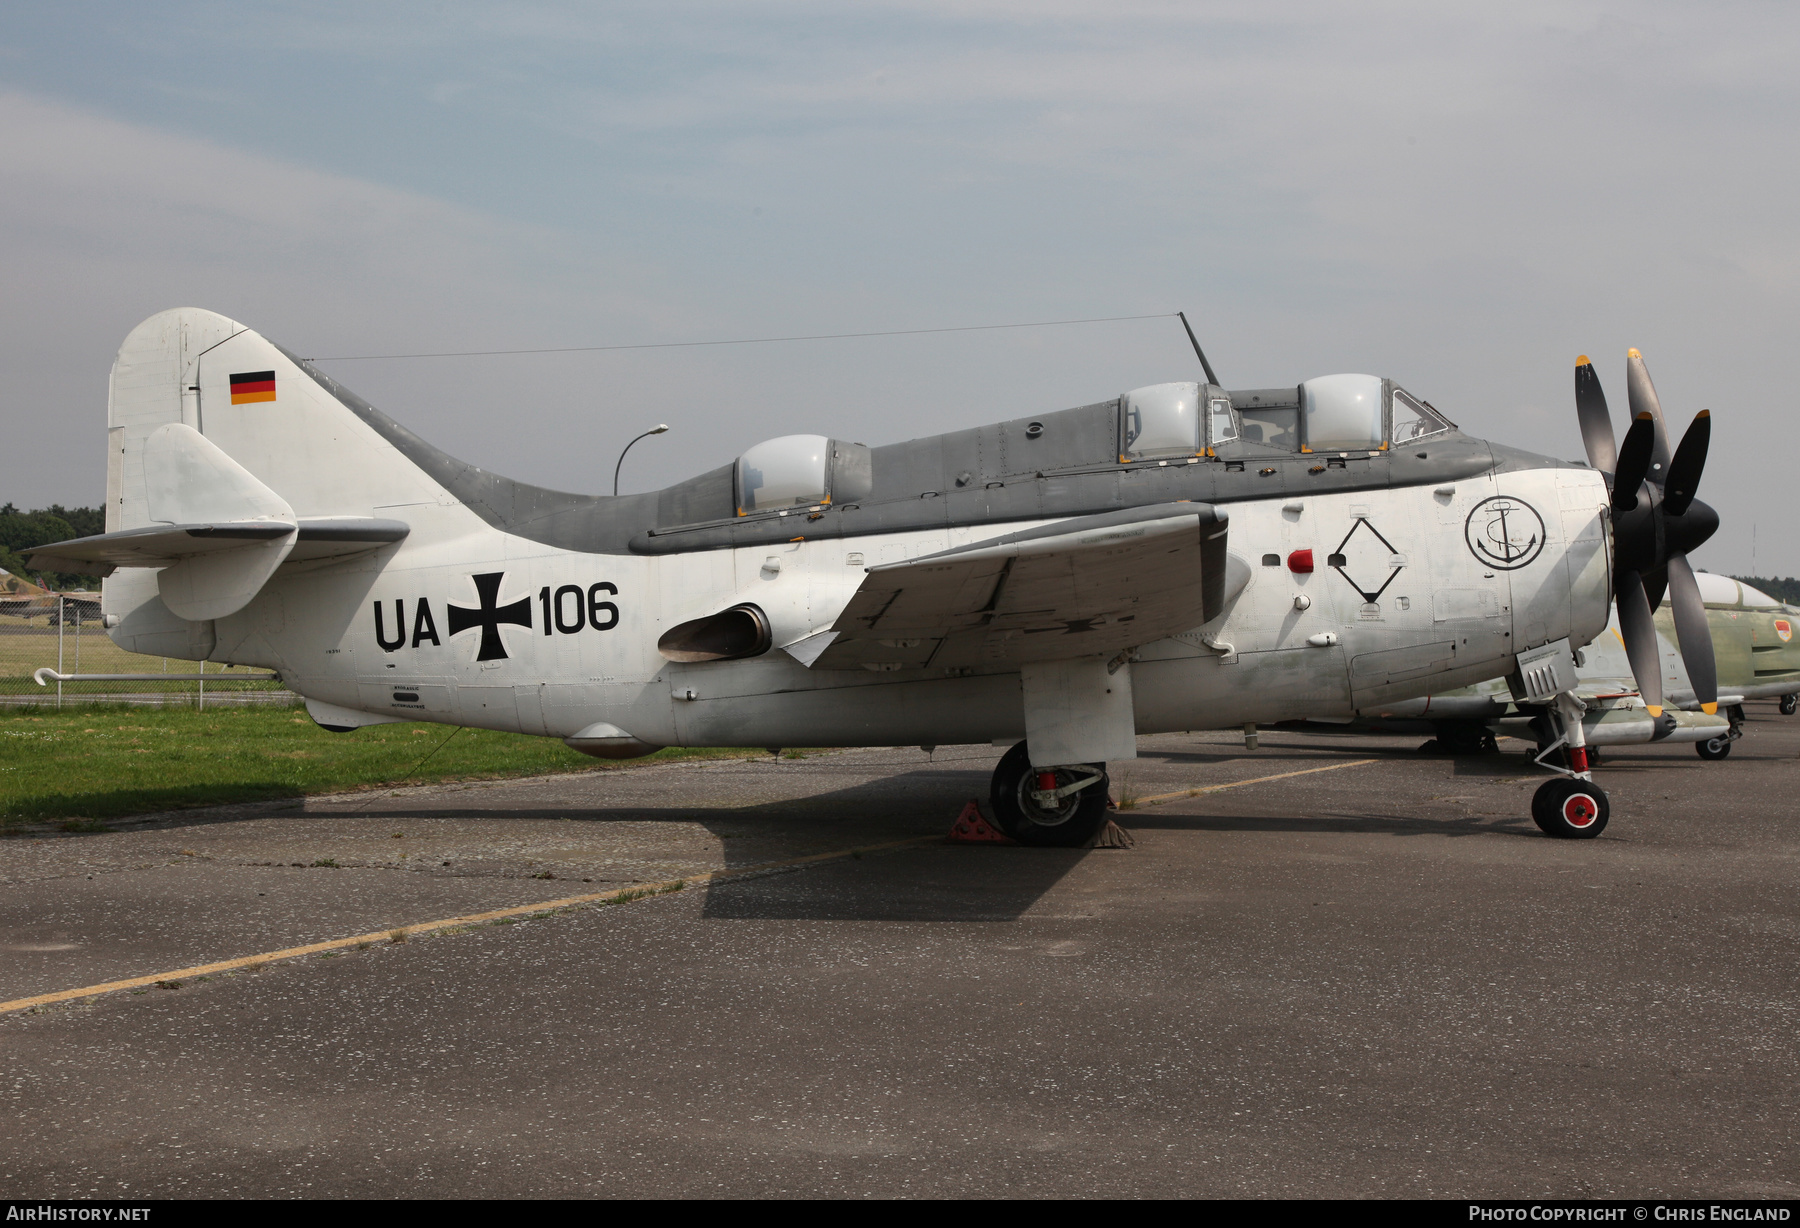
1580 811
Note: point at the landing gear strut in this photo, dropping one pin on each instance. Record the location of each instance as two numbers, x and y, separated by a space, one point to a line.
1719 747
1789 703
1061 807
1572 806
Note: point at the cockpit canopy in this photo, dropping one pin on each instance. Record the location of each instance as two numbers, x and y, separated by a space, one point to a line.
1167 420
801 471
1342 413
1160 424
1336 413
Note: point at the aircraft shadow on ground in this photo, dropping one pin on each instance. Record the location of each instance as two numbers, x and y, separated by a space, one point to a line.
928 882
936 882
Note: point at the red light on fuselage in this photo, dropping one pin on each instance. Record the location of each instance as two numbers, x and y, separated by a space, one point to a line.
1300 561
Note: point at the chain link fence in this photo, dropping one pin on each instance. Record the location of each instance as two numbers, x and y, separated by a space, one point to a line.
66 636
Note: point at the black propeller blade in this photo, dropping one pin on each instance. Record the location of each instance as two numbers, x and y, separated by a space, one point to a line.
1684 470
1651 536
1693 633
1596 422
1634 463
1638 631
1641 394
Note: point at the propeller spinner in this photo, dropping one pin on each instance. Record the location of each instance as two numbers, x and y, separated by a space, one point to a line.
1656 521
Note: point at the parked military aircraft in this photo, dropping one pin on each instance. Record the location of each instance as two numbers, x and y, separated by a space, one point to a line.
20 598
1177 557
1754 653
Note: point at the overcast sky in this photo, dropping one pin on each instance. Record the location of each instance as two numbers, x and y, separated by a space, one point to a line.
1461 197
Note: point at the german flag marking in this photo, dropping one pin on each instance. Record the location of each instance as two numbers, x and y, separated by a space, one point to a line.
249 387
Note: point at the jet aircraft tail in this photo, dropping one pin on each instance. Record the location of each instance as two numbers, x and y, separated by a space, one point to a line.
226 457
289 428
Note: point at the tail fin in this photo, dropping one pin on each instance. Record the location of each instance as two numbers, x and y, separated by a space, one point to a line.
192 388
260 407
225 454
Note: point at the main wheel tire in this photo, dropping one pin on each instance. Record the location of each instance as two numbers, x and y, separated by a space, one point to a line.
1713 748
1570 809
1789 703
1072 824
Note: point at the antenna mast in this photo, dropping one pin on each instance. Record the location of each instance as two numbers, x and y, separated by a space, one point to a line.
1198 352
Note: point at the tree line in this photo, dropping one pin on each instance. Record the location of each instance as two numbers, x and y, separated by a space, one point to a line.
21 531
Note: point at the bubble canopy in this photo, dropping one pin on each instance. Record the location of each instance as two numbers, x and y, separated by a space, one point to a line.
1342 412
800 471
1162 420
1173 420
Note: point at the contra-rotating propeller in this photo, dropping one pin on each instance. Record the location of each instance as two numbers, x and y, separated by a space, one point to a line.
1656 521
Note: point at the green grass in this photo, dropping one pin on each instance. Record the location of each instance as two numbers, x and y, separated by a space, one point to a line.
80 765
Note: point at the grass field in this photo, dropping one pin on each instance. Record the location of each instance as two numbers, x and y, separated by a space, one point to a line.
103 762
26 644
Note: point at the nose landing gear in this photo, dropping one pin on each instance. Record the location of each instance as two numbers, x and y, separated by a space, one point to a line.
1572 806
1060 807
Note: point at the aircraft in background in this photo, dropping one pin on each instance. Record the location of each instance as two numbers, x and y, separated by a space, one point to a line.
1177 557
20 598
1755 655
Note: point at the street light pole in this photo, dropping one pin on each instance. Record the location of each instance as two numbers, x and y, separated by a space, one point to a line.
658 429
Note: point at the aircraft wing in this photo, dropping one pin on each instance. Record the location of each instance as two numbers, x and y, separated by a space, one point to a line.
1081 587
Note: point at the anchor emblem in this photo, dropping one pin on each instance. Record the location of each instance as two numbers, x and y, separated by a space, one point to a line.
1504 532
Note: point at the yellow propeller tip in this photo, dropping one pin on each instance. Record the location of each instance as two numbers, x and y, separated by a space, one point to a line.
1710 709
1584 361
1653 709
1644 415
1705 413
1632 354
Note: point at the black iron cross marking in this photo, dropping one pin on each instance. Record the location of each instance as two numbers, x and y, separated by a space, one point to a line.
490 616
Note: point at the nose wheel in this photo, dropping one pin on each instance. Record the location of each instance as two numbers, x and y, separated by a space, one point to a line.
1061 807
1570 808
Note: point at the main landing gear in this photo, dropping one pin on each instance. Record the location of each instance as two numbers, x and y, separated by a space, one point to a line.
1789 703
1062 807
1572 806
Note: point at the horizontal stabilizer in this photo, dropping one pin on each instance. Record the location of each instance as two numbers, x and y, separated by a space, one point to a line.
218 533
1095 584
164 545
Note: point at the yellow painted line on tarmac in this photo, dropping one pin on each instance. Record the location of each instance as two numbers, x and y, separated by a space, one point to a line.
1179 794
621 895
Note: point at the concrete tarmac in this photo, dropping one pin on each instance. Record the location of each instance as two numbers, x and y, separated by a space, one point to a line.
1369 980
